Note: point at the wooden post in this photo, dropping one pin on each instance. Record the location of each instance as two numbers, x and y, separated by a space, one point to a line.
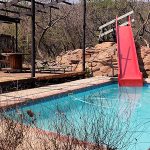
16 37
33 38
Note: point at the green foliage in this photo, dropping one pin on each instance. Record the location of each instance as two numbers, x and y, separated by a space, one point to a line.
88 72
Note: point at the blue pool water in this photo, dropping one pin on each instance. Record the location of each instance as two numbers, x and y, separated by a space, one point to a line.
108 114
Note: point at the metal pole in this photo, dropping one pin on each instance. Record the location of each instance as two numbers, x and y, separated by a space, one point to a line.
16 37
33 38
84 36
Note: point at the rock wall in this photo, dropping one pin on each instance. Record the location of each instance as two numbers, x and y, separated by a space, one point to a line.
102 59
144 60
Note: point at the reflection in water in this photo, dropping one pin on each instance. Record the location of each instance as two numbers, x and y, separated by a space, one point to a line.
129 99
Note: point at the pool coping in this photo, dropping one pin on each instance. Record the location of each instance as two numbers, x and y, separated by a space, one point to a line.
9 100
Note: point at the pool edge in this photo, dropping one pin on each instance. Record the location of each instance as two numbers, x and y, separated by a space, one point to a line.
31 98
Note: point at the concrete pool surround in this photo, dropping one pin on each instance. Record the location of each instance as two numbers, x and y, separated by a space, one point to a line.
19 97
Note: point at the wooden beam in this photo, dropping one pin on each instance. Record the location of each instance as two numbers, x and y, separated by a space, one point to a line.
2 2
43 4
16 50
16 12
9 19
39 3
55 7
11 3
5 5
68 3
54 3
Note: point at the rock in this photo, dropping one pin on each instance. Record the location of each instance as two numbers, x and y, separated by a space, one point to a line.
87 56
77 51
64 59
110 74
147 63
69 52
95 69
97 73
147 67
104 45
104 69
147 58
92 64
115 73
114 63
102 59
58 58
91 51
79 67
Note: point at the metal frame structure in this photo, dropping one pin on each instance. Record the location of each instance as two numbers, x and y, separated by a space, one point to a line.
7 19
84 34
31 10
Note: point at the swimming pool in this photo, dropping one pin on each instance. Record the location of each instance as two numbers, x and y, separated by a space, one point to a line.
107 114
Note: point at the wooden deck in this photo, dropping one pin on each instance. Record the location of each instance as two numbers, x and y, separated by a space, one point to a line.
24 80
7 77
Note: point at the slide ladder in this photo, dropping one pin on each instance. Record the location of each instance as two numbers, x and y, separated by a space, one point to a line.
128 69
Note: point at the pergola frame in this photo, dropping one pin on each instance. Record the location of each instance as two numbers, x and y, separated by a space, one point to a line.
7 19
31 11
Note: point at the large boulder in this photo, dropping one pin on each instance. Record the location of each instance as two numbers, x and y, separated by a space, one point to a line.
144 60
104 45
103 60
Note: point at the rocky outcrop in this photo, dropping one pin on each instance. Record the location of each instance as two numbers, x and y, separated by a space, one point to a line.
144 61
102 59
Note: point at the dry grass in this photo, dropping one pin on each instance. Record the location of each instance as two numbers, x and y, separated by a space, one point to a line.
16 136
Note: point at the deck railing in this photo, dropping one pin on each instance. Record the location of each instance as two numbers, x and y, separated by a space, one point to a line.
113 22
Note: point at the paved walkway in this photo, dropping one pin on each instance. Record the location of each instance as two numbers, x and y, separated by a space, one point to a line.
13 98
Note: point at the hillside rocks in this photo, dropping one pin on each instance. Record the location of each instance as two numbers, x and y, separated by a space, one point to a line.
101 60
144 61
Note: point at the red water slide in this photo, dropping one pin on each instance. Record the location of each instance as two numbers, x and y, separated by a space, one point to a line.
128 72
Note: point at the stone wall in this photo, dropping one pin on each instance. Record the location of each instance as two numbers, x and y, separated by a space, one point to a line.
144 61
102 59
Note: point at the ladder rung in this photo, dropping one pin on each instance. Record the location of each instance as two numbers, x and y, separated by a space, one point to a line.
113 21
111 30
